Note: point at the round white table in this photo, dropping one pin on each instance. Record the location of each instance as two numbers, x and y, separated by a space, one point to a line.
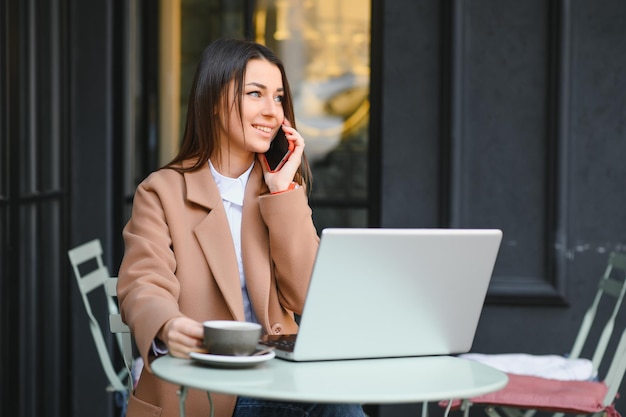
373 381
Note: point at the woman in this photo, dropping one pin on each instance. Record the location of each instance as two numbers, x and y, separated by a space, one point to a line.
215 235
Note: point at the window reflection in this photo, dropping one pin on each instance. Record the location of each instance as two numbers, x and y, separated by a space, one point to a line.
325 47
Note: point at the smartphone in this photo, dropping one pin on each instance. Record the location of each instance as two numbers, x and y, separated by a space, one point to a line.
279 151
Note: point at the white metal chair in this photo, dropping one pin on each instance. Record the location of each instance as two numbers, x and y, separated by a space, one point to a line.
549 395
91 274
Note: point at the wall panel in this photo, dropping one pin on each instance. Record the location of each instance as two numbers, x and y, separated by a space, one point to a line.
502 143
598 128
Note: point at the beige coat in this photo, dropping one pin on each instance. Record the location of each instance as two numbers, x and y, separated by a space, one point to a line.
180 260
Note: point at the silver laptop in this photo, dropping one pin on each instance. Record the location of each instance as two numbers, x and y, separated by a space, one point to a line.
391 293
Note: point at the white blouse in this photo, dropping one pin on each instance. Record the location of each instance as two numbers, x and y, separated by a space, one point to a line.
232 191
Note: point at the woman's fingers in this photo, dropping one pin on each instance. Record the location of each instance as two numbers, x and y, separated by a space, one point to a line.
182 336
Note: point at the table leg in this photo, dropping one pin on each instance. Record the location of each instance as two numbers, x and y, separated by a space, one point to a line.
210 403
182 396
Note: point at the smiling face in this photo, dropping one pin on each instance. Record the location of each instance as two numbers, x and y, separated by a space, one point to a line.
261 116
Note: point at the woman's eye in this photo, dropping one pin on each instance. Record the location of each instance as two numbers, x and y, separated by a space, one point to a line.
279 99
254 94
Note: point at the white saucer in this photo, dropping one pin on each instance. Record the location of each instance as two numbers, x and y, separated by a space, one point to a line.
222 361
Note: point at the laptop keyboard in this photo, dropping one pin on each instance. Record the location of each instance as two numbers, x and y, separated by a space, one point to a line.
284 342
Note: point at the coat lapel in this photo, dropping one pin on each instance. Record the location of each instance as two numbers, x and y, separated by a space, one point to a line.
213 234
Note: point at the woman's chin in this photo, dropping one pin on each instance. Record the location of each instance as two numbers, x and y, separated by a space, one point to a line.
261 149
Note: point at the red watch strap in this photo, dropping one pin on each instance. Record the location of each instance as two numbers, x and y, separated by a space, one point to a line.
292 186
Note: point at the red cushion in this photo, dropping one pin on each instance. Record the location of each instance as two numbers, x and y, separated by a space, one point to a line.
548 394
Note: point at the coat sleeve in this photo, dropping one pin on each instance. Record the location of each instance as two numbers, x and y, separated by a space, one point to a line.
148 290
293 243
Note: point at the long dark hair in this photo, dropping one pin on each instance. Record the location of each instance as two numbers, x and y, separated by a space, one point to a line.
223 61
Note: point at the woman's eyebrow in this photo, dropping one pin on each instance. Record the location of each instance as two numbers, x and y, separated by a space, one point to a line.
263 87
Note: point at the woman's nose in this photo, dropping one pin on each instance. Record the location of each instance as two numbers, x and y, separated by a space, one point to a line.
271 107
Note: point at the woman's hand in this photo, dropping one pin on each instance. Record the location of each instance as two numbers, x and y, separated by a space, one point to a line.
280 180
182 336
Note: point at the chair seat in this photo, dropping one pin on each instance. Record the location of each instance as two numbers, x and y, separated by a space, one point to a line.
548 394
531 392
544 366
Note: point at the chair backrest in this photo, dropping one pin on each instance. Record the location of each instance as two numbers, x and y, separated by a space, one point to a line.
611 288
612 285
88 258
615 374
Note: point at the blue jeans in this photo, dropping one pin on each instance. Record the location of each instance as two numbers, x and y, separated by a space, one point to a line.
252 407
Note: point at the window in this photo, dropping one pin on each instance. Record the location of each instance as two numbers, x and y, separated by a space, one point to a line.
325 46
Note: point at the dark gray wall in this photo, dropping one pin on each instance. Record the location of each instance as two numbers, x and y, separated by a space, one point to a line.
511 115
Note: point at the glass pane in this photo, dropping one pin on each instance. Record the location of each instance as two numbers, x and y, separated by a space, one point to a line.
203 21
47 105
27 145
49 265
325 46
4 161
4 212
